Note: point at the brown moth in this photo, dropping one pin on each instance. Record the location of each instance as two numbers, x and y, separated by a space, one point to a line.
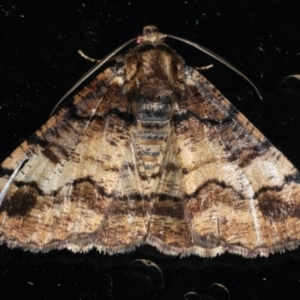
150 153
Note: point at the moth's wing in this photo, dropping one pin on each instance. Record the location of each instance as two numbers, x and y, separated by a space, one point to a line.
240 194
77 178
168 229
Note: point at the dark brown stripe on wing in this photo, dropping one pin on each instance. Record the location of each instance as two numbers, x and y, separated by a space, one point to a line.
50 140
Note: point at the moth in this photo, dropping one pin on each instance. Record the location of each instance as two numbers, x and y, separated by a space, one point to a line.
151 153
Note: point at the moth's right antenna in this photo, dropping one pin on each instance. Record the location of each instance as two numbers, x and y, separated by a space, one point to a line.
217 57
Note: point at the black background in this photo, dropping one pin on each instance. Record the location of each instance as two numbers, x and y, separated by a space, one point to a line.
39 63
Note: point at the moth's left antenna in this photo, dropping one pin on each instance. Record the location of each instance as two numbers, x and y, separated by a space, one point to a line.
90 72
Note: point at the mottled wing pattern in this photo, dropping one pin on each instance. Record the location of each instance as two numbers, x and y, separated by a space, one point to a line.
78 178
150 152
240 194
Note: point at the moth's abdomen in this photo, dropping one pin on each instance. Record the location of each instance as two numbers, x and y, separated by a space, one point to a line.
151 136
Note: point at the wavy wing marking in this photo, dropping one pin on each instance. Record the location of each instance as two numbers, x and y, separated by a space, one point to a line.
240 193
69 188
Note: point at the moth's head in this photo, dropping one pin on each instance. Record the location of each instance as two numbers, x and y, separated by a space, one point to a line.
151 35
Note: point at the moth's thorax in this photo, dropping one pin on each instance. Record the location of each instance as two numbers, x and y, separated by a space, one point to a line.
153 71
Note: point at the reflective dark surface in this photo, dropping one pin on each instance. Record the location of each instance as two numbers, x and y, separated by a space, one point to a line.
39 63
